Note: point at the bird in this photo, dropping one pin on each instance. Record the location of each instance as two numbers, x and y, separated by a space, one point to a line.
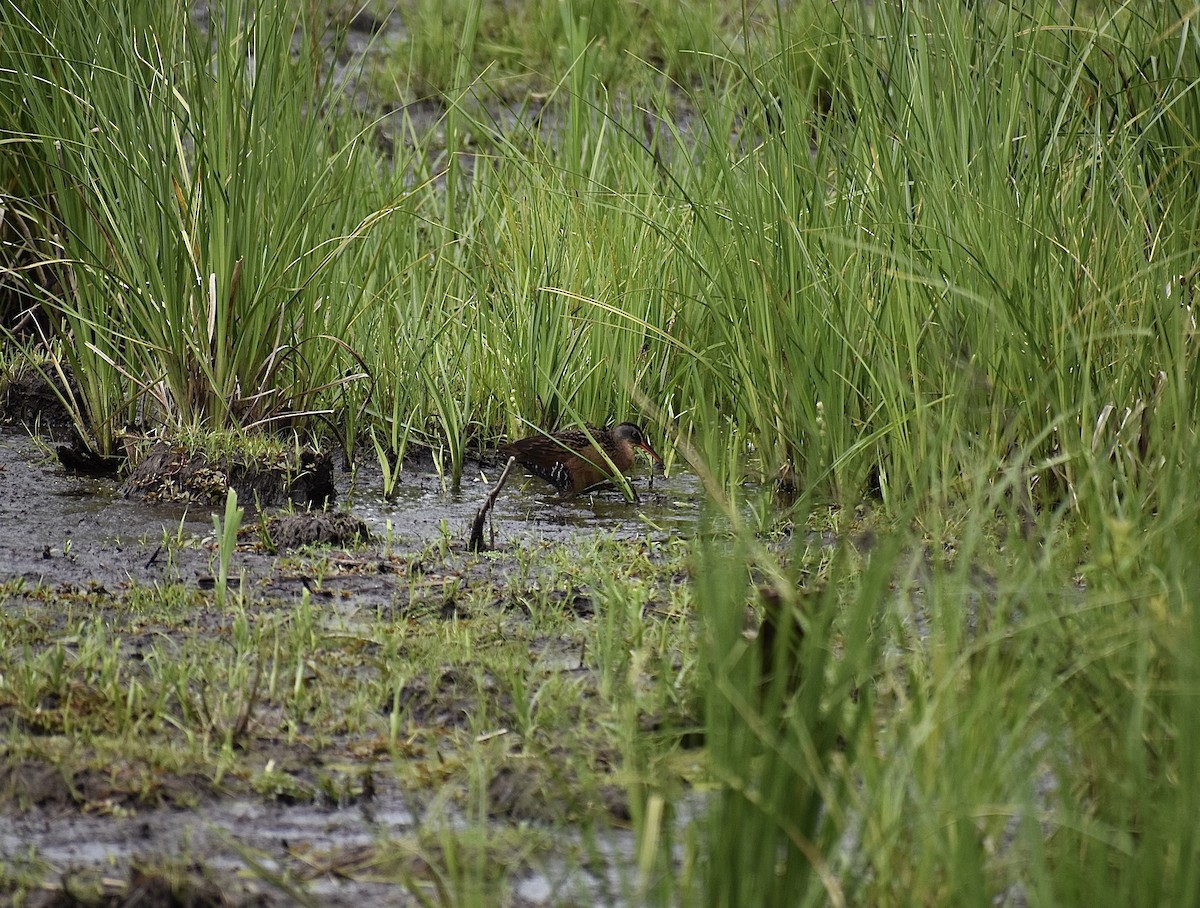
575 460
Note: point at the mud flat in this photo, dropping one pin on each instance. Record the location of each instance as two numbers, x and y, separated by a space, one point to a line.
346 724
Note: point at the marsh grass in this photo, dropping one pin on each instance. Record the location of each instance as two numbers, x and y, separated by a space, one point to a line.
965 716
226 533
192 204
905 264
519 55
883 247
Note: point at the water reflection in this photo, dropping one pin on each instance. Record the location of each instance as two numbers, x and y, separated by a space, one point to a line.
531 508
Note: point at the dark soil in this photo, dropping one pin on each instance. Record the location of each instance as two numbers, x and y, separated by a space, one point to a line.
29 398
316 528
170 473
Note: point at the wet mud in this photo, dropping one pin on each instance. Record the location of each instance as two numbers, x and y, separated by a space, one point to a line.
170 473
69 542
60 528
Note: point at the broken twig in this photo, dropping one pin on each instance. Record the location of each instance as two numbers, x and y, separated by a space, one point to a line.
475 543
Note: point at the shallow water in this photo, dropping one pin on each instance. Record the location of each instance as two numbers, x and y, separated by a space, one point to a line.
68 532
56 527
528 508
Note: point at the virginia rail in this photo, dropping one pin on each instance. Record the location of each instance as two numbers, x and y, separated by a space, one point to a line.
572 460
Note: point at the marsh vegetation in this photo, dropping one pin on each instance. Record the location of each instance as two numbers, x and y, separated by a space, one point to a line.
908 287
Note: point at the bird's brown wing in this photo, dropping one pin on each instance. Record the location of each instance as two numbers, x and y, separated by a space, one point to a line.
567 460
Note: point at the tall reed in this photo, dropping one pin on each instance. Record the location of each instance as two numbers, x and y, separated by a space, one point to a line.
194 200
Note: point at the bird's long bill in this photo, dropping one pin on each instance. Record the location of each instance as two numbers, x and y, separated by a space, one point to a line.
645 446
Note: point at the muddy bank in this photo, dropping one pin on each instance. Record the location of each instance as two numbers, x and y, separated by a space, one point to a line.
330 856
336 811
65 529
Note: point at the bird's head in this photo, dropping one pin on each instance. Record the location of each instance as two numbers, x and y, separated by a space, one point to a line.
628 432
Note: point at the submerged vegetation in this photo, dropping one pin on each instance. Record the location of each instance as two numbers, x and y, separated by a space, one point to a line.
909 286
